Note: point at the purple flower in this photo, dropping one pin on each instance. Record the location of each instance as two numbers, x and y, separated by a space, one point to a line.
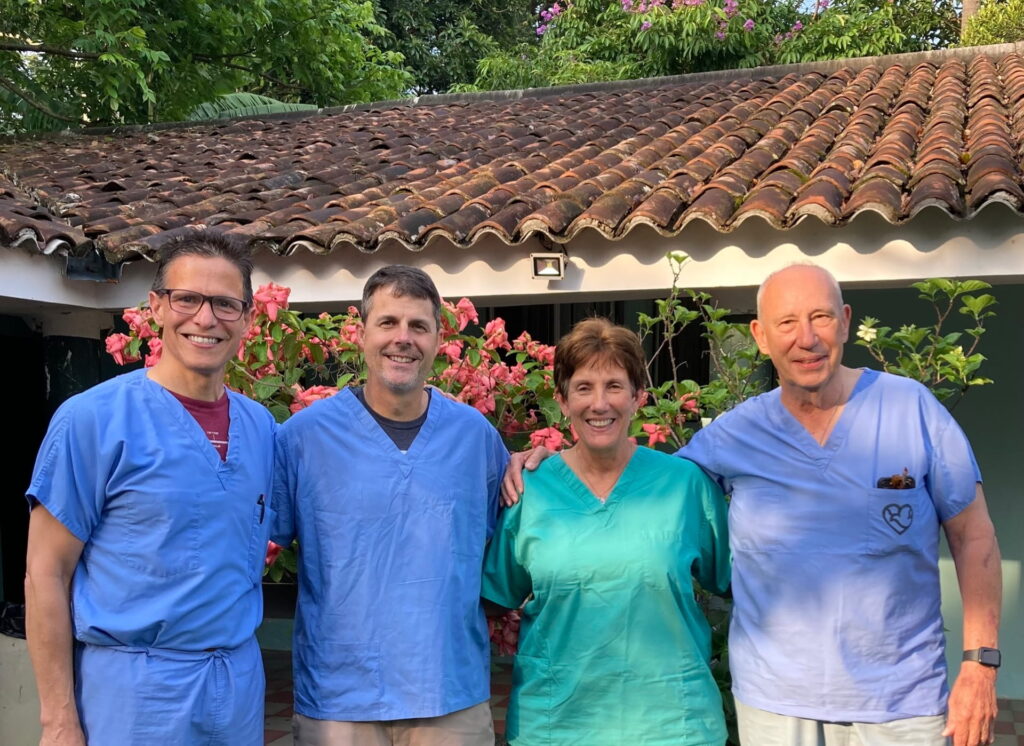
720 35
645 25
627 5
748 25
556 9
823 5
541 29
798 26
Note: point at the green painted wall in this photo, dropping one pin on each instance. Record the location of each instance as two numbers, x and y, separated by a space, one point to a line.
993 417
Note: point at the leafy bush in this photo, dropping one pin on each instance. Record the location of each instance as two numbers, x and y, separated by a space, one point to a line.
996 22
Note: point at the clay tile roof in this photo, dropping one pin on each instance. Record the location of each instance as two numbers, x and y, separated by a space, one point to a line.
829 140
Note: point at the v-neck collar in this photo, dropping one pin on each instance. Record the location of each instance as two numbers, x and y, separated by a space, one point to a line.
801 436
191 427
591 503
385 446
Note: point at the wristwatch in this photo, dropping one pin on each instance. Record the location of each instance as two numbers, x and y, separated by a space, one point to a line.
990 657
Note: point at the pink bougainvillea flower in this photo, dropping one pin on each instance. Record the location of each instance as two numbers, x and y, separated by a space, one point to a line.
656 434
496 336
504 632
302 398
140 320
270 298
272 551
465 311
452 350
116 345
549 437
156 348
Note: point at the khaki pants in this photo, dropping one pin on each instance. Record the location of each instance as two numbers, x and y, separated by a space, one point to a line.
470 727
760 728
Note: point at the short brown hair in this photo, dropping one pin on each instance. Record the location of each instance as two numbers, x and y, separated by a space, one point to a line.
210 245
402 281
598 339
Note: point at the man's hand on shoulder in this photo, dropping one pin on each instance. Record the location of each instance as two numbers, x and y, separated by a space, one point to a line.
512 484
972 706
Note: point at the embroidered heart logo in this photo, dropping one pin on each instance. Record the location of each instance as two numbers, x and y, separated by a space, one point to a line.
899 517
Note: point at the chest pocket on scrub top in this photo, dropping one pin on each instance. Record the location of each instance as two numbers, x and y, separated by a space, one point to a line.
164 532
898 520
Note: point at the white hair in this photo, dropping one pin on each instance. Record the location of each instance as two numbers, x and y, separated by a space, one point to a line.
831 278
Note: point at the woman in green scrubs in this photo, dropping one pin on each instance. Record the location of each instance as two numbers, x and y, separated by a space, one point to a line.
605 543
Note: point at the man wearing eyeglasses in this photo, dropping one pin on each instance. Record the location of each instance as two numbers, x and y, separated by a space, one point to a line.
148 531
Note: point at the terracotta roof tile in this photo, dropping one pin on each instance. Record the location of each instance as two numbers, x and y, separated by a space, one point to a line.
893 135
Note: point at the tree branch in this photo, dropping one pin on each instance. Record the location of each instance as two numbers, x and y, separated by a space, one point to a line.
19 46
265 76
37 105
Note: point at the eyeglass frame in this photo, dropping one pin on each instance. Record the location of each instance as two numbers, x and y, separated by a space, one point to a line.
205 299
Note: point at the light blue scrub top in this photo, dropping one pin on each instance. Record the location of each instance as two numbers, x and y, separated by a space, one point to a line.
836 581
174 537
389 623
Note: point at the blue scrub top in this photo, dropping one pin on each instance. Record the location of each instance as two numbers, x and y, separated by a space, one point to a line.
389 623
836 581
174 537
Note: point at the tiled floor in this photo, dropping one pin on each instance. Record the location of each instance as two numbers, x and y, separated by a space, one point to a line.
278 729
1009 724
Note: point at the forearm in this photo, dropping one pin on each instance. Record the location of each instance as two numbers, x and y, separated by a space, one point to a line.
49 637
979 574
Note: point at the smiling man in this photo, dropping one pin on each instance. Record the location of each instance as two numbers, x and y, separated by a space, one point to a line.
148 531
392 491
840 481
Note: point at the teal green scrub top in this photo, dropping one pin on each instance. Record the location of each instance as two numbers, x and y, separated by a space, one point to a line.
613 648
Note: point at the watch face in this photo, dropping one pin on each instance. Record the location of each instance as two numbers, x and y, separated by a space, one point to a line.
990 657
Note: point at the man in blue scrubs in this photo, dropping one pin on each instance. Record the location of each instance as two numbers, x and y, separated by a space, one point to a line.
840 480
392 491
148 531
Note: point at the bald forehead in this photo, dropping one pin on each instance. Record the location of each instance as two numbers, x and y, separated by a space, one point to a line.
795 278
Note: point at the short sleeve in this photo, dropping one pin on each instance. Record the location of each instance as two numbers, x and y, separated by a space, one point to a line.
953 471
497 462
283 497
714 563
69 475
703 450
505 581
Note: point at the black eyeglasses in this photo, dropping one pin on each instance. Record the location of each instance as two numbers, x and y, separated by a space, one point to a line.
189 302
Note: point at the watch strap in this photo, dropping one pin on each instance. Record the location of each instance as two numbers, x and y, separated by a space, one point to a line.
990 657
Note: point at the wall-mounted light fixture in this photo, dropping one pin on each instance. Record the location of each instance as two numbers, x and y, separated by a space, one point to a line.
548 266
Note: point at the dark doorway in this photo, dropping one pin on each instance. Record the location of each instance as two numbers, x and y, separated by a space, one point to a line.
23 380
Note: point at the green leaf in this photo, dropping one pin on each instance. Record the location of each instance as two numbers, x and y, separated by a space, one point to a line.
552 412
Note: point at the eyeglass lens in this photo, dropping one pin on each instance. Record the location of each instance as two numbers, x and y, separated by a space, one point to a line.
188 302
